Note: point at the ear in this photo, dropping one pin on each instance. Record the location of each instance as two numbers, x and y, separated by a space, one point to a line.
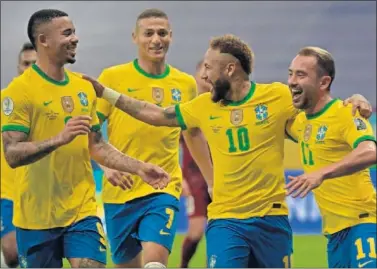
230 68
42 39
325 82
134 36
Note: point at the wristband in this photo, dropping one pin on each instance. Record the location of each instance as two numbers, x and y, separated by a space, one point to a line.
111 96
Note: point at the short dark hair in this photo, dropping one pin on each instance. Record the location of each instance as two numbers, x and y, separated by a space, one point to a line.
238 48
152 13
40 17
26 47
325 61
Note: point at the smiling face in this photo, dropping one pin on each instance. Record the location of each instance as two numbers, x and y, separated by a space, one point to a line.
59 40
215 72
153 37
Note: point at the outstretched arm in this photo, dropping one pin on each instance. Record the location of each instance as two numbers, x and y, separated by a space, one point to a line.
108 156
362 157
143 111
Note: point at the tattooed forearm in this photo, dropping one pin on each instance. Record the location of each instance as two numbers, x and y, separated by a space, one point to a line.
147 112
18 152
108 156
88 263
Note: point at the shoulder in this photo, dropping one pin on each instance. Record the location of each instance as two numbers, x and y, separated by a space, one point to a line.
182 77
118 71
18 88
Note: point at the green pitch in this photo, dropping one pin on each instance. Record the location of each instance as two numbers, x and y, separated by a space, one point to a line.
309 251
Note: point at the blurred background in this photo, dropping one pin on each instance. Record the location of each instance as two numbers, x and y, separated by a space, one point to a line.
275 31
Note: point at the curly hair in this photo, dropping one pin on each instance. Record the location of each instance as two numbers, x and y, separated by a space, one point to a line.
238 48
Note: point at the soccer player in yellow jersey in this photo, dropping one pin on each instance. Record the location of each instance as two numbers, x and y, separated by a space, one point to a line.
143 218
9 256
244 123
50 128
336 150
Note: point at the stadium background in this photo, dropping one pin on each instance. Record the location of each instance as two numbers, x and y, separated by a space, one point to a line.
275 30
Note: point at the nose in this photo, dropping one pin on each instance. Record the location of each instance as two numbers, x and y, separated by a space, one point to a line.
156 39
292 80
75 39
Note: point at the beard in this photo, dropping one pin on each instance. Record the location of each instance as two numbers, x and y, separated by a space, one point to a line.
220 90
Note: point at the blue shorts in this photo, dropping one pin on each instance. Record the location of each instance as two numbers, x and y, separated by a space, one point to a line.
6 217
47 248
353 247
150 219
250 243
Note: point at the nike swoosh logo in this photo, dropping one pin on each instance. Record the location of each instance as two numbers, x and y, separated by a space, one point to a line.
132 90
162 232
102 249
47 103
214 117
361 265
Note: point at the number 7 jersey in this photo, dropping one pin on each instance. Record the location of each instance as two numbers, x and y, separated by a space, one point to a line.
246 140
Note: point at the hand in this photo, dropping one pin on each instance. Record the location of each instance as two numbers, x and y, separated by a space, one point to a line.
304 183
185 188
154 176
360 103
118 178
98 87
78 125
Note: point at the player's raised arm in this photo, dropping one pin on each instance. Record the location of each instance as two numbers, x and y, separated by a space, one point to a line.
108 156
143 111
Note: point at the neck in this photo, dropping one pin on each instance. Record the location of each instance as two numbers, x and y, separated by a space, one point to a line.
239 88
322 101
153 68
51 69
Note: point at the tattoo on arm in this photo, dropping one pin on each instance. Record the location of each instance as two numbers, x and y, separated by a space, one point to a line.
89 263
19 152
108 156
147 112
170 113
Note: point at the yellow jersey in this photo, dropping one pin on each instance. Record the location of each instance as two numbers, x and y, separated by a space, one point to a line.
7 175
157 145
58 189
324 138
246 140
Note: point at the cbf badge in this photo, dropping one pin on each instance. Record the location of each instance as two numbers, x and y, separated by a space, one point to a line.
83 98
236 116
308 132
8 106
158 94
67 104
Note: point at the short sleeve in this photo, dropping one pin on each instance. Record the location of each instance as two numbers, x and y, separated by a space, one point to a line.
188 114
292 129
104 107
95 123
356 129
193 89
16 110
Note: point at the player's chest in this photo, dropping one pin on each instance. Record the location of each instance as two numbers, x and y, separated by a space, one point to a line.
164 93
57 107
320 138
259 119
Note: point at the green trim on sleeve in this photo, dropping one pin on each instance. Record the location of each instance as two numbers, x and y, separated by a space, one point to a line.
180 120
17 128
101 116
290 137
362 139
95 128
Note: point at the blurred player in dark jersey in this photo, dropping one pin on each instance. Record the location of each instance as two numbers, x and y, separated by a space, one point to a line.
196 191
